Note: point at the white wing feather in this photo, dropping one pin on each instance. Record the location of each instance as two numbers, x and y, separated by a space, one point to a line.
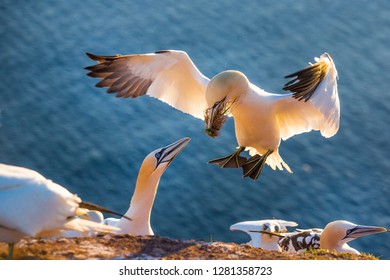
320 112
170 76
32 204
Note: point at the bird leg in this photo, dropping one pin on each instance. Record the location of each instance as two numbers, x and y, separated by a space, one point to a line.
231 161
253 167
10 250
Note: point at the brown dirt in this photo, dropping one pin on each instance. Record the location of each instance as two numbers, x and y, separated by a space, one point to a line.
153 247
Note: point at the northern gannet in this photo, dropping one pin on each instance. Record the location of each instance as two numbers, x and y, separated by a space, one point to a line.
145 190
334 236
31 205
261 231
261 119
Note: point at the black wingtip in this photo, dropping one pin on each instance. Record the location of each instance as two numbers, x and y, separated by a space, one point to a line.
92 56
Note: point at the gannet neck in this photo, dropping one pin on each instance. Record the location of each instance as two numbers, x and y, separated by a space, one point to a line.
141 205
269 242
255 239
152 168
333 234
345 248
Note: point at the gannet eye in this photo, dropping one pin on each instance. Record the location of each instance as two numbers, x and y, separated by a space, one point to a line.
349 231
276 228
158 155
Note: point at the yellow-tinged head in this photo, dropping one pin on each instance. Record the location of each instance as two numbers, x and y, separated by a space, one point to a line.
158 160
222 92
338 233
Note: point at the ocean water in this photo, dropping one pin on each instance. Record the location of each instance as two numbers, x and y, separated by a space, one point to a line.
53 119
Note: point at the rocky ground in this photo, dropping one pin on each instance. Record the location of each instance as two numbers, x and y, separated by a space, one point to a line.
154 247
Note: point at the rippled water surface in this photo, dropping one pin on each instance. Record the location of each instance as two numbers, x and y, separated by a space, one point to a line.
55 121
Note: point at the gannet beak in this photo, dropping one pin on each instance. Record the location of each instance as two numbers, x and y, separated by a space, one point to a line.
169 152
268 232
214 118
360 231
92 206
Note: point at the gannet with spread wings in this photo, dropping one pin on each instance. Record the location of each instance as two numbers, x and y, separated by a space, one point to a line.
261 119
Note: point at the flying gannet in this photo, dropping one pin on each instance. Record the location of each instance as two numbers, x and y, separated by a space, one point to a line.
31 205
334 236
261 119
261 231
145 190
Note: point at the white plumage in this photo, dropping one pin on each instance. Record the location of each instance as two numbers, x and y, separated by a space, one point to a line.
31 205
142 201
261 119
264 234
91 215
335 236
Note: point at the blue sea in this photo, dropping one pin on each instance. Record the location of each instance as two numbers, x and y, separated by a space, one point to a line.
53 119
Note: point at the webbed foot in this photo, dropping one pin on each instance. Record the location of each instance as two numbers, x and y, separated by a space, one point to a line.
253 167
231 161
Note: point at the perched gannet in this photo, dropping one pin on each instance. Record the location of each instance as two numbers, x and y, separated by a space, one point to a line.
261 119
31 205
334 236
145 190
261 231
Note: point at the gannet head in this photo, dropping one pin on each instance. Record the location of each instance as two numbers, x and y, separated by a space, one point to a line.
158 160
146 187
264 234
337 234
93 216
223 91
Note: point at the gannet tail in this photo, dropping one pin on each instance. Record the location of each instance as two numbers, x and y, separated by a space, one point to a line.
274 160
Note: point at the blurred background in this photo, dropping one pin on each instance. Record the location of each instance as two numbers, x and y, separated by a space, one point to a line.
53 119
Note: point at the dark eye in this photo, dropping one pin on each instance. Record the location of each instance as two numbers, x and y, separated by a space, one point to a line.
158 155
349 231
276 228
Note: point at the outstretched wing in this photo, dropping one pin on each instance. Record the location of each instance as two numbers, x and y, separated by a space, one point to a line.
314 103
170 76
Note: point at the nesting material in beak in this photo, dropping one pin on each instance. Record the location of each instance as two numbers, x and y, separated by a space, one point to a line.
215 117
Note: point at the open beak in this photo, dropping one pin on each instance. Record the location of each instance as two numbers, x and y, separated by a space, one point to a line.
214 118
171 151
360 231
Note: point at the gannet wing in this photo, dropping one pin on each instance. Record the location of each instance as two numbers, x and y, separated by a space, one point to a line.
169 76
300 241
314 103
16 177
34 207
